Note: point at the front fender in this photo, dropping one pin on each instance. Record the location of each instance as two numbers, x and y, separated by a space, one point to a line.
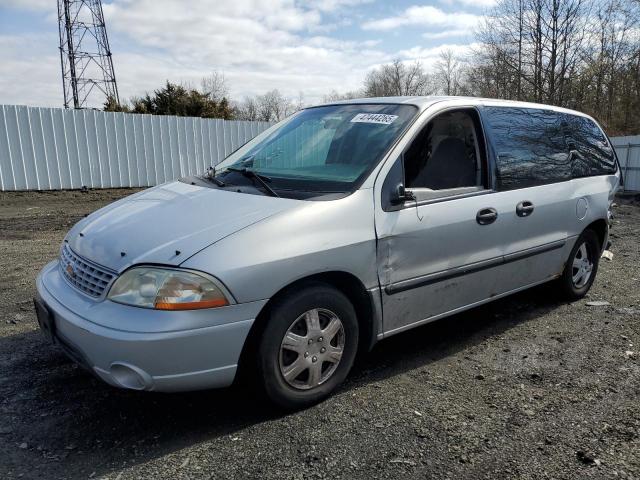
315 237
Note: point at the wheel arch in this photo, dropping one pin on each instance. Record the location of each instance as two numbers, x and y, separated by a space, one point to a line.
601 228
348 284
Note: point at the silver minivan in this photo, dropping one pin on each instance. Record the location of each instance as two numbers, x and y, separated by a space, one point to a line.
340 226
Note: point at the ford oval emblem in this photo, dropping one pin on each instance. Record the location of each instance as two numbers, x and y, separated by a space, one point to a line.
70 271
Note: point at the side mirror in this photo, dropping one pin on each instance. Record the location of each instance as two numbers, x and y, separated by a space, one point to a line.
393 192
400 195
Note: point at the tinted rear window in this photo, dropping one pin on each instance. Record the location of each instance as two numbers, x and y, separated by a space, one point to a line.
591 151
529 145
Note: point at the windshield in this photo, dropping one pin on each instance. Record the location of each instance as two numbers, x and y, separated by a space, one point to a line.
323 149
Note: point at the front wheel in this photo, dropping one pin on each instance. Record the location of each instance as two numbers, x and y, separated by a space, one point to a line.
308 345
581 267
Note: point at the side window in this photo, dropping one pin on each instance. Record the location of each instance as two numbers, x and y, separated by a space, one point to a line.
530 146
446 154
591 153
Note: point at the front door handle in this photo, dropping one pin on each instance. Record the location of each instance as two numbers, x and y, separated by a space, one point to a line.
486 216
524 208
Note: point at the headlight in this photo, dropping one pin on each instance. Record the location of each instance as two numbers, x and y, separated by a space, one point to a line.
165 289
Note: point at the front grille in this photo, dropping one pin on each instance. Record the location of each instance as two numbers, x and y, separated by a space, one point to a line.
86 276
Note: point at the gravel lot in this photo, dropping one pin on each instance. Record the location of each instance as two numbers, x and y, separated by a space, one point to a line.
526 387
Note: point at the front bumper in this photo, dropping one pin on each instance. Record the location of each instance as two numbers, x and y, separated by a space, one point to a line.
146 349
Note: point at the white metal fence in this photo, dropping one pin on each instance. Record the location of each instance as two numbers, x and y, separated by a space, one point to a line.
628 149
52 148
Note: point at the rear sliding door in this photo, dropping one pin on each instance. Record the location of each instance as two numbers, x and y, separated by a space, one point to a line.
532 166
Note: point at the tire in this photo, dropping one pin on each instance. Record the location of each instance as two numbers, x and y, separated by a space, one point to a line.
308 366
571 288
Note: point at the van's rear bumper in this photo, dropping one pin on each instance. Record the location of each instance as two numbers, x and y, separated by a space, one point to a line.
173 360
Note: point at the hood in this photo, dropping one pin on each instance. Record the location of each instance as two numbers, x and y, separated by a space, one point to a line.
167 224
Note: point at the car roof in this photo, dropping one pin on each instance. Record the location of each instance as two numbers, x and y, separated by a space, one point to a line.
422 102
417 101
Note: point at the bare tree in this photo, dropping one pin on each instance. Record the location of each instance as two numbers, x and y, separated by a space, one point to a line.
273 106
398 79
615 48
299 102
583 54
533 46
335 96
449 70
215 85
247 109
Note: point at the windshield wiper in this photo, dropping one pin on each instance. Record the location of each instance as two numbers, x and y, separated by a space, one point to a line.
211 176
262 179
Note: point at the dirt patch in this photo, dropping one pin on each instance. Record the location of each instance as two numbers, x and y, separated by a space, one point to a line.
526 387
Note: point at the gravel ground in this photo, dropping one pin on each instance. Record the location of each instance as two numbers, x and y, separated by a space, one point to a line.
526 387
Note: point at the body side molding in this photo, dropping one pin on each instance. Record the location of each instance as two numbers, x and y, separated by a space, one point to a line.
435 277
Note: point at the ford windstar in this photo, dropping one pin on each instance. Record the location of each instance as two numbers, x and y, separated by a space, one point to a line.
340 226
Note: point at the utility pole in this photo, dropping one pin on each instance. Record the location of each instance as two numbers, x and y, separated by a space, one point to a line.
88 78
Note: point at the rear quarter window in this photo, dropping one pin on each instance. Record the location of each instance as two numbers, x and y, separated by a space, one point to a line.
591 152
529 145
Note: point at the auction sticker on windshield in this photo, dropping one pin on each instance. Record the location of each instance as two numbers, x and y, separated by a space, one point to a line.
379 118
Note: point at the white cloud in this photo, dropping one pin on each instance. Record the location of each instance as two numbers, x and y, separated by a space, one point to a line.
258 45
428 56
472 3
445 34
425 16
334 5
30 71
45 5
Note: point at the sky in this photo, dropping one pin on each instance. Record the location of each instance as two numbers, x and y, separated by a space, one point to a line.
308 46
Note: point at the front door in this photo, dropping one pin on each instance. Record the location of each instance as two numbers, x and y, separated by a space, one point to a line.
436 258
444 250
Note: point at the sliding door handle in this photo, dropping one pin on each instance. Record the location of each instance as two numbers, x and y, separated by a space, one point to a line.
486 216
524 208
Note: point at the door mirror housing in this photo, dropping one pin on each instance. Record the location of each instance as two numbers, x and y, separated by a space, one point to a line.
400 194
394 193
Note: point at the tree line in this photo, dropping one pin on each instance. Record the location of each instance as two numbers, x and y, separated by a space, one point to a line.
579 54
210 100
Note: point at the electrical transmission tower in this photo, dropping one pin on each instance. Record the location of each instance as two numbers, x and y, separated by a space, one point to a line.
88 79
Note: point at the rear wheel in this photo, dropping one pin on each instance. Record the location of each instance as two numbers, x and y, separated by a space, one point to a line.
582 266
308 345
